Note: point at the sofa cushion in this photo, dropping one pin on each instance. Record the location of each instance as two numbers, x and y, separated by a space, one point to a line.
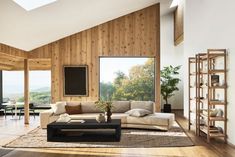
138 112
147 105
151 119
58 108
121 116
73 108
120 106
89 107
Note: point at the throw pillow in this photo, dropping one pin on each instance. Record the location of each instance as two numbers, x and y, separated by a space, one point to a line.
73 109
58 108
138 112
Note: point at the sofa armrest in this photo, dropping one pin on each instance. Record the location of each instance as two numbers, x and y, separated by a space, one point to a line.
44 118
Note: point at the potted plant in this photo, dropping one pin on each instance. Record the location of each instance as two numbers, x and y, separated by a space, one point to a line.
106 107
169 84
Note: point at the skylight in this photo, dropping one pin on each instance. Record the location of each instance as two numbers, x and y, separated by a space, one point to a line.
174 3
33 4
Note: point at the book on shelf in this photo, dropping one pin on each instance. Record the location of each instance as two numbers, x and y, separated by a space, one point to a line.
214 80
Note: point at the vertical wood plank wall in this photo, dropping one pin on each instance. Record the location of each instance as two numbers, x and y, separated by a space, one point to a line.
11 51
135 34
179 23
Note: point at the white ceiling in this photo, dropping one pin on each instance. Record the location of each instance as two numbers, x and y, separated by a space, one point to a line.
28 30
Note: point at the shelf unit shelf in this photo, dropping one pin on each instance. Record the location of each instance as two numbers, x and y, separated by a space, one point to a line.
213 118
217 71
208 86
212 133
191 99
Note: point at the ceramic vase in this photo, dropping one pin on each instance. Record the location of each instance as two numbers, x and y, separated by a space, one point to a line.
108 114
100 118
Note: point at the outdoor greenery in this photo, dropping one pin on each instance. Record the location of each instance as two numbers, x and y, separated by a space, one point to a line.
169 81
104 105
38 97
137 85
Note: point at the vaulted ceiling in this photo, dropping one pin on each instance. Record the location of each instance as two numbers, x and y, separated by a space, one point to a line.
28 30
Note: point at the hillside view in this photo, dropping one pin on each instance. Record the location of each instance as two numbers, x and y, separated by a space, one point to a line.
135 84
40 91
39 96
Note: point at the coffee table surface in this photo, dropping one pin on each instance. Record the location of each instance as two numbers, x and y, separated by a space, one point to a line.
88 122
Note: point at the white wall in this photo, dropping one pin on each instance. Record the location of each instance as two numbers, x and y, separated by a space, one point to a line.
211 24
171 55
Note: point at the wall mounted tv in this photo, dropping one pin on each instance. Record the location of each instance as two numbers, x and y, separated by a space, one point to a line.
76 80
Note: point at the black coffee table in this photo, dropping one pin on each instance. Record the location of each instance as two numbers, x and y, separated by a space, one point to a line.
89 131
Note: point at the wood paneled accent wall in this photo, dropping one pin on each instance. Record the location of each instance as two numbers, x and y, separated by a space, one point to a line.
135 34
179 23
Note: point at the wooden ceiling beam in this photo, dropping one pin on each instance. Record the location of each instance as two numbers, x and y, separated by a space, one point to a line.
12 59
10 56
5 67
36 64
7 61
13 51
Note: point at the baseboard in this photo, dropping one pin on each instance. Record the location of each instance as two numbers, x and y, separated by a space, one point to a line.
231 145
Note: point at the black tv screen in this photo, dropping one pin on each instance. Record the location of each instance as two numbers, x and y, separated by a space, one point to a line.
75 80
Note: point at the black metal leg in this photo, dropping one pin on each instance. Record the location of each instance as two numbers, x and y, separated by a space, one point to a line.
5 112
19 114
12 113
34 114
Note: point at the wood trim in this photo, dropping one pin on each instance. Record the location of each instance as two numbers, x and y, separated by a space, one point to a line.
26 91
158 65
179 40
179 23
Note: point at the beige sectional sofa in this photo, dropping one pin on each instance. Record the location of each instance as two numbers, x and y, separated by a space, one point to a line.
162 121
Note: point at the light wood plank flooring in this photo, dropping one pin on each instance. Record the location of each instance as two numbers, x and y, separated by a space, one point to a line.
10 129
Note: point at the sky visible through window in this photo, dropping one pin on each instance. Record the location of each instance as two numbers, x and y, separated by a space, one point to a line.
108 66
13 81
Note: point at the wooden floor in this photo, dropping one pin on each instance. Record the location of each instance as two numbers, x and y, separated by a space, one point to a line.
10 129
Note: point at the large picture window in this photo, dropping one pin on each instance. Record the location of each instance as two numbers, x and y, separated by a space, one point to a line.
39 86
127 78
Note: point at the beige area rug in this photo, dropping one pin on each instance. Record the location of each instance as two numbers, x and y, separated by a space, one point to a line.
4 152
130 138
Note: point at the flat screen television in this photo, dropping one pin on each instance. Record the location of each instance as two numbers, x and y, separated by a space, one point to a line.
76 80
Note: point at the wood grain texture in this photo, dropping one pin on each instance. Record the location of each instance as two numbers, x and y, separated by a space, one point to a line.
136 34
12 59
179 23
26 91
41 52
12 51
14 63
